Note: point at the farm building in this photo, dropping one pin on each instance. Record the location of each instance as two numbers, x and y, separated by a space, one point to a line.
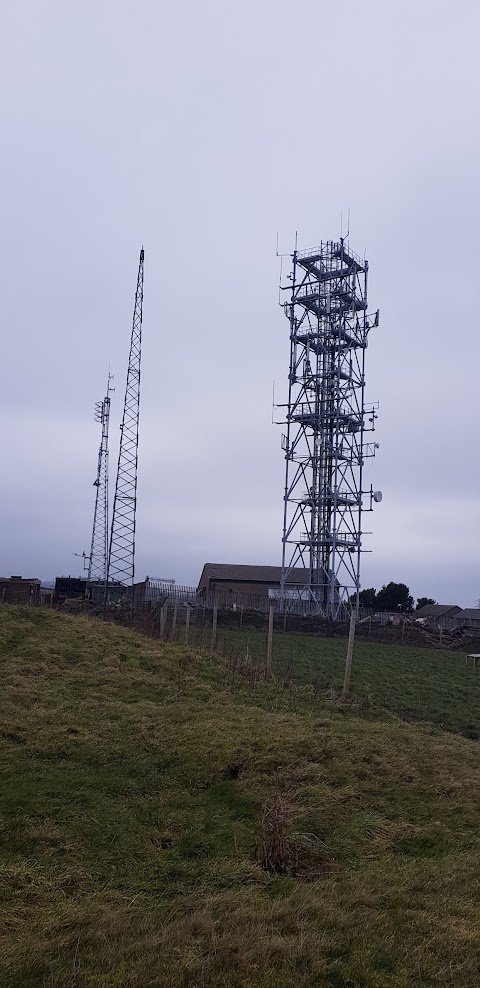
468 618
19 590
438 615
258 580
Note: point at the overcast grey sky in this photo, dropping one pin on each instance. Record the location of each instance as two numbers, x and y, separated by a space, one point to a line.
199 129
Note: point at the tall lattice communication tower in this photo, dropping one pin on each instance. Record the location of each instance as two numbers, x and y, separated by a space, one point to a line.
326 421
98 558
121 555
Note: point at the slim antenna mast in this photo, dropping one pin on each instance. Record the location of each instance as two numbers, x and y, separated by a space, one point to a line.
121 555
97 561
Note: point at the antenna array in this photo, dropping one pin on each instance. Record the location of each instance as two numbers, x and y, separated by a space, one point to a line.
326 420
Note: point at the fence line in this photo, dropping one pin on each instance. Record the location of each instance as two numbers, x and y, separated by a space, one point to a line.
150 592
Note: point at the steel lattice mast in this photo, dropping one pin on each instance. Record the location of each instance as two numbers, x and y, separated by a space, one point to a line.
121 556
97 560
326 420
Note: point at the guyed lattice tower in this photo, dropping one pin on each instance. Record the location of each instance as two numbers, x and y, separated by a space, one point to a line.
97 560
326 422
121 555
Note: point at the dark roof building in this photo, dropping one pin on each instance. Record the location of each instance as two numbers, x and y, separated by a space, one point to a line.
470 616
247 579
438 610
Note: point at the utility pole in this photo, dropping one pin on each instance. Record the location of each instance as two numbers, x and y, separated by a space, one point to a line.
121 555
97 562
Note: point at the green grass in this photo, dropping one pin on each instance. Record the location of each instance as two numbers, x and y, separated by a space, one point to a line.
134 791
415 683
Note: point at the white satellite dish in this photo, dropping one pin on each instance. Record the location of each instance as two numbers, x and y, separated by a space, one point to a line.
377 496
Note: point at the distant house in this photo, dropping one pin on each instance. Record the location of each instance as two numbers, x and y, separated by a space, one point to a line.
258 580
438 615
468 618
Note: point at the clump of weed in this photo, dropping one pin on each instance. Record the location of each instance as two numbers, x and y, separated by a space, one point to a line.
280 850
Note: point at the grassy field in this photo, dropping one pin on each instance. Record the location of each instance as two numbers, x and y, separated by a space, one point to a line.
415 683
161 829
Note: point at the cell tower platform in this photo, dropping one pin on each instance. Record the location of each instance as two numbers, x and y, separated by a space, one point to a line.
326 420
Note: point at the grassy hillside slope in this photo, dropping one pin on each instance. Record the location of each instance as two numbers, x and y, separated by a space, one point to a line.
140 798
417 683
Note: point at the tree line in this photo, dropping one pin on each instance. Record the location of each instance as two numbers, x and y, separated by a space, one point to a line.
391 597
